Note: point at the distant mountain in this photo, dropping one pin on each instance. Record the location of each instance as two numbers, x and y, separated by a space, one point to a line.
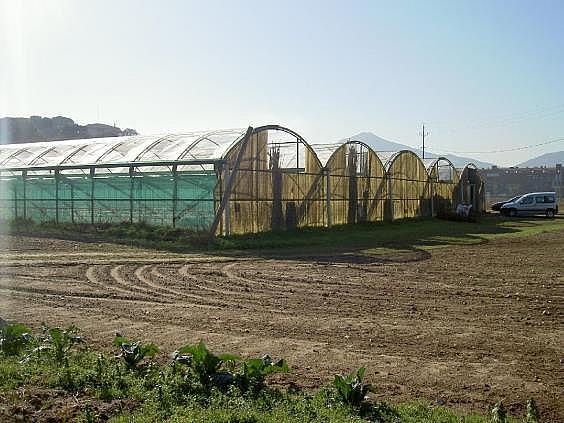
548 159
37 128
381 144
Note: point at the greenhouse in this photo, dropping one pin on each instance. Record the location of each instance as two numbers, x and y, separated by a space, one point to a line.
444 180
356 181
409 186
471 188
226 181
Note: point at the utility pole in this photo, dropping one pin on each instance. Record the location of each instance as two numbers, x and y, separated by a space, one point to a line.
423 134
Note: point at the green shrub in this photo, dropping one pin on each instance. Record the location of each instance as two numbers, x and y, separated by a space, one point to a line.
255 370
533 415
14 339
133 353
350 388
205 365
499 414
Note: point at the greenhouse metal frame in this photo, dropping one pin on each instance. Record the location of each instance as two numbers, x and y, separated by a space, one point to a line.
227 181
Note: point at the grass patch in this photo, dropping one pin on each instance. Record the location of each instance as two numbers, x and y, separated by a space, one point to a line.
104 386
401 234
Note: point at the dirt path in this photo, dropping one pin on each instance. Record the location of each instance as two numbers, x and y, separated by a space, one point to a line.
468 325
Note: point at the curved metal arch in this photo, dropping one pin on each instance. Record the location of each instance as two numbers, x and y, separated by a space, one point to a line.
74 153
40 155
470 166
206 136
397 154
273 127
110 150
362 143
155 143
391 159
14 154
436 161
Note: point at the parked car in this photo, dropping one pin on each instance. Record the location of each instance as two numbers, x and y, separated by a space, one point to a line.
532 204
497 206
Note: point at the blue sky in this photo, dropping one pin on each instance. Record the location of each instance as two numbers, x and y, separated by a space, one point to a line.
483 75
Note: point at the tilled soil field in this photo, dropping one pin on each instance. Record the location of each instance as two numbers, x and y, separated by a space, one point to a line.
464 325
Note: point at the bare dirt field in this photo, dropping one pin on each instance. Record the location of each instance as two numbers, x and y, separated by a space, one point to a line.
467 325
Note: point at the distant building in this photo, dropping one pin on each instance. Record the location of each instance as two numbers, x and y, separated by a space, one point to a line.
511 181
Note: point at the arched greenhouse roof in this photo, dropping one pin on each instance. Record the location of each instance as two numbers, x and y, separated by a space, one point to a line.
441 169
327 152
204 145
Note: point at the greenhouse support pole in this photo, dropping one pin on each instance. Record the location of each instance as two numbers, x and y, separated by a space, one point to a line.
390 197
131 172
432 197
57 196
72 200
16 200
227 213
92 174
24 177
229 184
328 197
174 193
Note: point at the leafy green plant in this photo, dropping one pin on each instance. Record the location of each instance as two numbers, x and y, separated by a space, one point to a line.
57 343
14 339
255 370
351 388
89 415
61 341
206 365
533 415
133 353
499 414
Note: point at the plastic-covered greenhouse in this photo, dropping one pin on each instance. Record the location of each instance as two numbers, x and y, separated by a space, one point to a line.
225 181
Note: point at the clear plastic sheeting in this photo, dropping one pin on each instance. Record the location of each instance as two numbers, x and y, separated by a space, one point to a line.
205 146
325 151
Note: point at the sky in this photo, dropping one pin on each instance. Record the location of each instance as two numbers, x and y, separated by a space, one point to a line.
482 75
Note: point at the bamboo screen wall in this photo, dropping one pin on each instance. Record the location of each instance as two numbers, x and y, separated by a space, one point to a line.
408 185
278 184
358 184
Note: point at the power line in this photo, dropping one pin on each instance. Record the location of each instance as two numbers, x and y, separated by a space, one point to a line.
525 147
507 119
